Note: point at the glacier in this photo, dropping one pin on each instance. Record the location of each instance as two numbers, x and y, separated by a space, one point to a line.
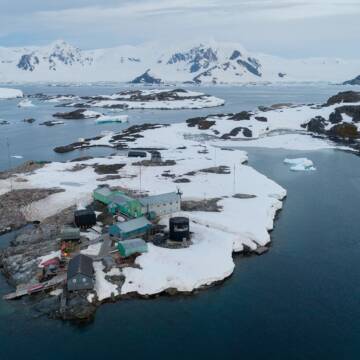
206 63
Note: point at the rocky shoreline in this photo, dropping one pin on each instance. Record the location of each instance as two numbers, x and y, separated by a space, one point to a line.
186 156
161 99
18 263
341 125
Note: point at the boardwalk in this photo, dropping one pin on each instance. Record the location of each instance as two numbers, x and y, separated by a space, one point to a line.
105 248
29 289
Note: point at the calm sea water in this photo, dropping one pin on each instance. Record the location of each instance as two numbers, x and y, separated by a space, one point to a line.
36 142
299 301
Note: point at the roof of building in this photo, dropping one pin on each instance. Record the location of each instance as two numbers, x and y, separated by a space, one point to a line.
159 199
84 212
118 198
103 190
70 231
80 264
133 244
133 224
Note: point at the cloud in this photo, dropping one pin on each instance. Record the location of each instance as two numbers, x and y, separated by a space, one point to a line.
259 24
276 9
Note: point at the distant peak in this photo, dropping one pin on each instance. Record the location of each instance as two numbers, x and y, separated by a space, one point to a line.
61 44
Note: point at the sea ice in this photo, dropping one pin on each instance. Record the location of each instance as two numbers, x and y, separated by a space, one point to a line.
6 93
107 119
25 103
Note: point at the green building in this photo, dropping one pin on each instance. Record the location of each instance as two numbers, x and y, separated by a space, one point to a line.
130 229
134 246
69 233
118 202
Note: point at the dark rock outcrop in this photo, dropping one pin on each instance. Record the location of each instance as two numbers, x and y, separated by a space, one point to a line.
355 81
261 118
82 158
242 115
350 110
68 148
75 115
344 97
201 123
236 131
344 131
51 123
29 120
208 205
28 62
252 65
244 196
108 169
335 117
16 204
316 125
26 167
182 181
146 78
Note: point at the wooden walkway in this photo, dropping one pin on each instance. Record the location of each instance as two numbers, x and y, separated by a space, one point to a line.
29 289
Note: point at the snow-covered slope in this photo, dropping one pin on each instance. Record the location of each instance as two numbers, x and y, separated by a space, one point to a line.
204 63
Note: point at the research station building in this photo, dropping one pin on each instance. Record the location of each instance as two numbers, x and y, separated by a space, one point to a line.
163 204
80 273
130 229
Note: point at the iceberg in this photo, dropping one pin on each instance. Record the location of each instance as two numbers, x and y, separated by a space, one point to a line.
7 93
107 119
300 164
25 103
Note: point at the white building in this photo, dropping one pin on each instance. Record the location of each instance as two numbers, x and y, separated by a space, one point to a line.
164 204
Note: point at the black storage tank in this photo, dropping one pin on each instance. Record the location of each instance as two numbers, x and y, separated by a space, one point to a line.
179 229
155 156
85 218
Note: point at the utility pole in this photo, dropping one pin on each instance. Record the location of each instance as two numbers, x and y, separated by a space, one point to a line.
9 162
234 185
140 178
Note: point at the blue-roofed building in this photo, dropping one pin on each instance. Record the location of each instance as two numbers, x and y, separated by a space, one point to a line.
130 229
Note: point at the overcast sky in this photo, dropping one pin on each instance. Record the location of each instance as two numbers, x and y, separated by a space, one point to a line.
291 28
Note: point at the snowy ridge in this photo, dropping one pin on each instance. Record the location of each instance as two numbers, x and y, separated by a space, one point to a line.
210 62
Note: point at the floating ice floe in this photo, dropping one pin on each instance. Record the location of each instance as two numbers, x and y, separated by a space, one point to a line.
6 93
89 114
300 164
107 119
25 103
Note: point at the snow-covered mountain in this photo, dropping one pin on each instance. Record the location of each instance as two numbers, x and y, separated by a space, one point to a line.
204 63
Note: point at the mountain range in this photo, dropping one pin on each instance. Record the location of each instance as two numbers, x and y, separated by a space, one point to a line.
211 62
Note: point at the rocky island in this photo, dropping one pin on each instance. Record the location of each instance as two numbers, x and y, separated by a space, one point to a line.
214 195
161 99
230 207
